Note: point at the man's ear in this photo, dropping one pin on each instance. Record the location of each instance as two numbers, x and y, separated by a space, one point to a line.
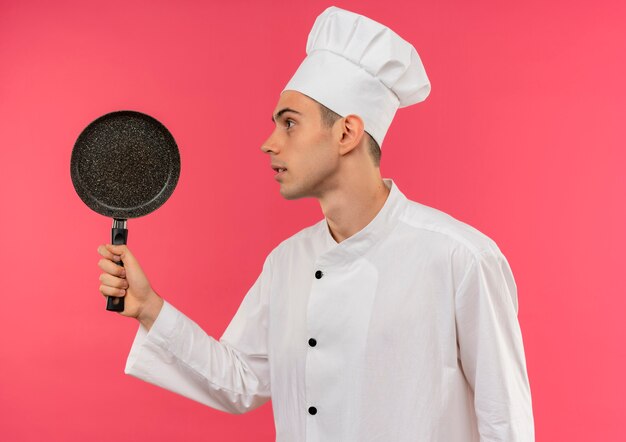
351 130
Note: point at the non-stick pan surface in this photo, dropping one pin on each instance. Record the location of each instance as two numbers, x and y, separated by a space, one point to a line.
125 164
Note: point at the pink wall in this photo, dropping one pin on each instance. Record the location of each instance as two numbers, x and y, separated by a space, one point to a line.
522 137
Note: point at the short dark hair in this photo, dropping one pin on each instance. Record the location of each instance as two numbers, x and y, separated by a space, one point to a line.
328 119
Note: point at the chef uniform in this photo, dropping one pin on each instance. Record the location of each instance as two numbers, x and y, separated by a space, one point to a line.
406 331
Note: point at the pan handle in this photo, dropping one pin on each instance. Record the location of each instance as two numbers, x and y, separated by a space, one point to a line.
119 235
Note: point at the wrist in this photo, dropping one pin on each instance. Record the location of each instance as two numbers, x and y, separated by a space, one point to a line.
150 310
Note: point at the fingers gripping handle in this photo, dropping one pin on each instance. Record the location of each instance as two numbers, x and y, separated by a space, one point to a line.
119 235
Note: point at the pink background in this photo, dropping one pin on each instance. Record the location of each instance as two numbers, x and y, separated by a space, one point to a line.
522 137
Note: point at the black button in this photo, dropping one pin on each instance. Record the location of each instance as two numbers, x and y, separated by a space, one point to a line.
312 342
319 274
312 411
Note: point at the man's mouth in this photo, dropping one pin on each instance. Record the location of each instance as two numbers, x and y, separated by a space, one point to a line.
279 170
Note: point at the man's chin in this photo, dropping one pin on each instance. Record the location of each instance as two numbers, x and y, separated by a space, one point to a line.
291 194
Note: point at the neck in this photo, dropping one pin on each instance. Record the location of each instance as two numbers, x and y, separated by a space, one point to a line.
352 205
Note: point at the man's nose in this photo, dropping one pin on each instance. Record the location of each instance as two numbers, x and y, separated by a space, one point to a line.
270 145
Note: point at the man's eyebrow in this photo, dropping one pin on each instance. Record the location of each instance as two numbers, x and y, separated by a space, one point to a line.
282 111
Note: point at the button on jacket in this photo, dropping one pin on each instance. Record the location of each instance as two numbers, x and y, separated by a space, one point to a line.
406 331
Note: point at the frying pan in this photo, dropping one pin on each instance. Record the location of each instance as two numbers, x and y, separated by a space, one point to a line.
124 165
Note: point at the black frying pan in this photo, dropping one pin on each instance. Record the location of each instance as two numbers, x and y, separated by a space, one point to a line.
124 165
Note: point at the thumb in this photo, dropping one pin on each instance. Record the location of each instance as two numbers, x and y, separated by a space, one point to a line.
123 251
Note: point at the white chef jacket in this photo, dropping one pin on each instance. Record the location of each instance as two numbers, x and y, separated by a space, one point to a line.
406 331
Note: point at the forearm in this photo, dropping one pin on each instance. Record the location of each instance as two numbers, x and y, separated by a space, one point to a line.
179 356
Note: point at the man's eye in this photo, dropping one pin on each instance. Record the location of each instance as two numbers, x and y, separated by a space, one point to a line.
289 123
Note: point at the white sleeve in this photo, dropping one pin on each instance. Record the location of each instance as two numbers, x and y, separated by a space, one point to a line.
230 375
492 351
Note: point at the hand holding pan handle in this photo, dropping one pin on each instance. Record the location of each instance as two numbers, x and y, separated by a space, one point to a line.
124 164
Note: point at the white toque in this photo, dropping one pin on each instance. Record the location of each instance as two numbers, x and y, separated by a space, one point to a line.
355 65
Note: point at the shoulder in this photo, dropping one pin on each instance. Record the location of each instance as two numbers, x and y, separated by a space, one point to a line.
443 228
460 245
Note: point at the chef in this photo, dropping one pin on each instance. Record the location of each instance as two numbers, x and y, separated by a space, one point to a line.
388 320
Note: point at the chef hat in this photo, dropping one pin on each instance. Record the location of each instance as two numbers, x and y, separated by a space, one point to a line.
355 65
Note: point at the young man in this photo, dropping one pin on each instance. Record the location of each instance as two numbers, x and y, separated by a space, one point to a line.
387 320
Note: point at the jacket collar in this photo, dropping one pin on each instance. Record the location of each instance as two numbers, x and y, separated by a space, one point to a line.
362 241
